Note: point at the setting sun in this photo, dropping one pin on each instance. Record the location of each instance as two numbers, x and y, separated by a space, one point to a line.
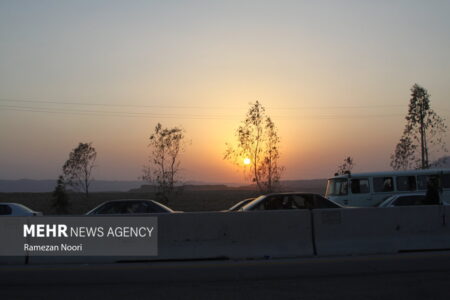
247 161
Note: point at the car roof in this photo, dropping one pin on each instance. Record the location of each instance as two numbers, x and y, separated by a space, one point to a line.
405 195
265 196
290 193
15 204
18 206
128 200
133 200
392 198
394 173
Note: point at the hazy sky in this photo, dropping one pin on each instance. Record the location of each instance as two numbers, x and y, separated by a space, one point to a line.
334 75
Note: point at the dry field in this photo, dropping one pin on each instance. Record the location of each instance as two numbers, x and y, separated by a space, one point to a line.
191 198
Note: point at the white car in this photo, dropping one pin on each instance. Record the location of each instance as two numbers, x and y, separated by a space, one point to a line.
404 200
294 200
17 210
130 206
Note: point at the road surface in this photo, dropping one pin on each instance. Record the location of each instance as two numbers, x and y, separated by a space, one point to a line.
404 276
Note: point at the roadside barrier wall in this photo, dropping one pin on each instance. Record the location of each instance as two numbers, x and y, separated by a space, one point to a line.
285 234
8 241
236 235
381 230
212 235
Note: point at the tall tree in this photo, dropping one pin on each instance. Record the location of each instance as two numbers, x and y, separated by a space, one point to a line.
60 198
346 167
77 169
166 144
257 146
424 131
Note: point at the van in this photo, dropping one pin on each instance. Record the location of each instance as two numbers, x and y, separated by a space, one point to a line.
370 189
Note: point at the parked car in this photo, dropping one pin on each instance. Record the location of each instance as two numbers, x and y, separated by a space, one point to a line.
276 201
240 204
17 210
404 200
129 206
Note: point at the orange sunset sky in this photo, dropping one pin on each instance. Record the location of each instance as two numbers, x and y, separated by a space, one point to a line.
334 76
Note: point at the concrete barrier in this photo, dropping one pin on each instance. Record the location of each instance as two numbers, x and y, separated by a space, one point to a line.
284 234
9 242
236 235
380 230
210 235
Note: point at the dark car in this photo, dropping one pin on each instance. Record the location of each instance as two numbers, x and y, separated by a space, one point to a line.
129 206
278 201
17 210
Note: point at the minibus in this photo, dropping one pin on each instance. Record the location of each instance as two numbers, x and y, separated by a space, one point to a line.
370 189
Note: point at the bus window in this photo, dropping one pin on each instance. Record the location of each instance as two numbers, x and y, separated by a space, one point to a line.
446 181
383 184
360 186
337 187
406 183
422 181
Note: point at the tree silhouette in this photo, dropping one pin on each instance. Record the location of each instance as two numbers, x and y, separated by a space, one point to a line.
346 167
166 144
258 142
78 168
424 132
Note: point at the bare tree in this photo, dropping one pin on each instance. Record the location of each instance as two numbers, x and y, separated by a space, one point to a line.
346 167
78 168
258 146
166 144
424 131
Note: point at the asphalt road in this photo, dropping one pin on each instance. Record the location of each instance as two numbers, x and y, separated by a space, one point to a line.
403 276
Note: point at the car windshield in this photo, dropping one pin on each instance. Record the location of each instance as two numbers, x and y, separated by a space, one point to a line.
252 203
162 207
130 207
240 204
23 207
386 202
291 201
337 187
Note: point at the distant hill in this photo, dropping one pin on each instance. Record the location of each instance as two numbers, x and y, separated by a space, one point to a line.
311 186
146 188
43 186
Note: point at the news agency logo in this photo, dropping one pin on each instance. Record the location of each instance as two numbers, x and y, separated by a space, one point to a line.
64 231
45 230
79 236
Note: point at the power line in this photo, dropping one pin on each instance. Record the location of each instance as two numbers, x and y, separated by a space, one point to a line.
106 113
178 116
42 106
198 107
103 111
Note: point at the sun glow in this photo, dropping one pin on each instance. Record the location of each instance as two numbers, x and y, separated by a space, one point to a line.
247 161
